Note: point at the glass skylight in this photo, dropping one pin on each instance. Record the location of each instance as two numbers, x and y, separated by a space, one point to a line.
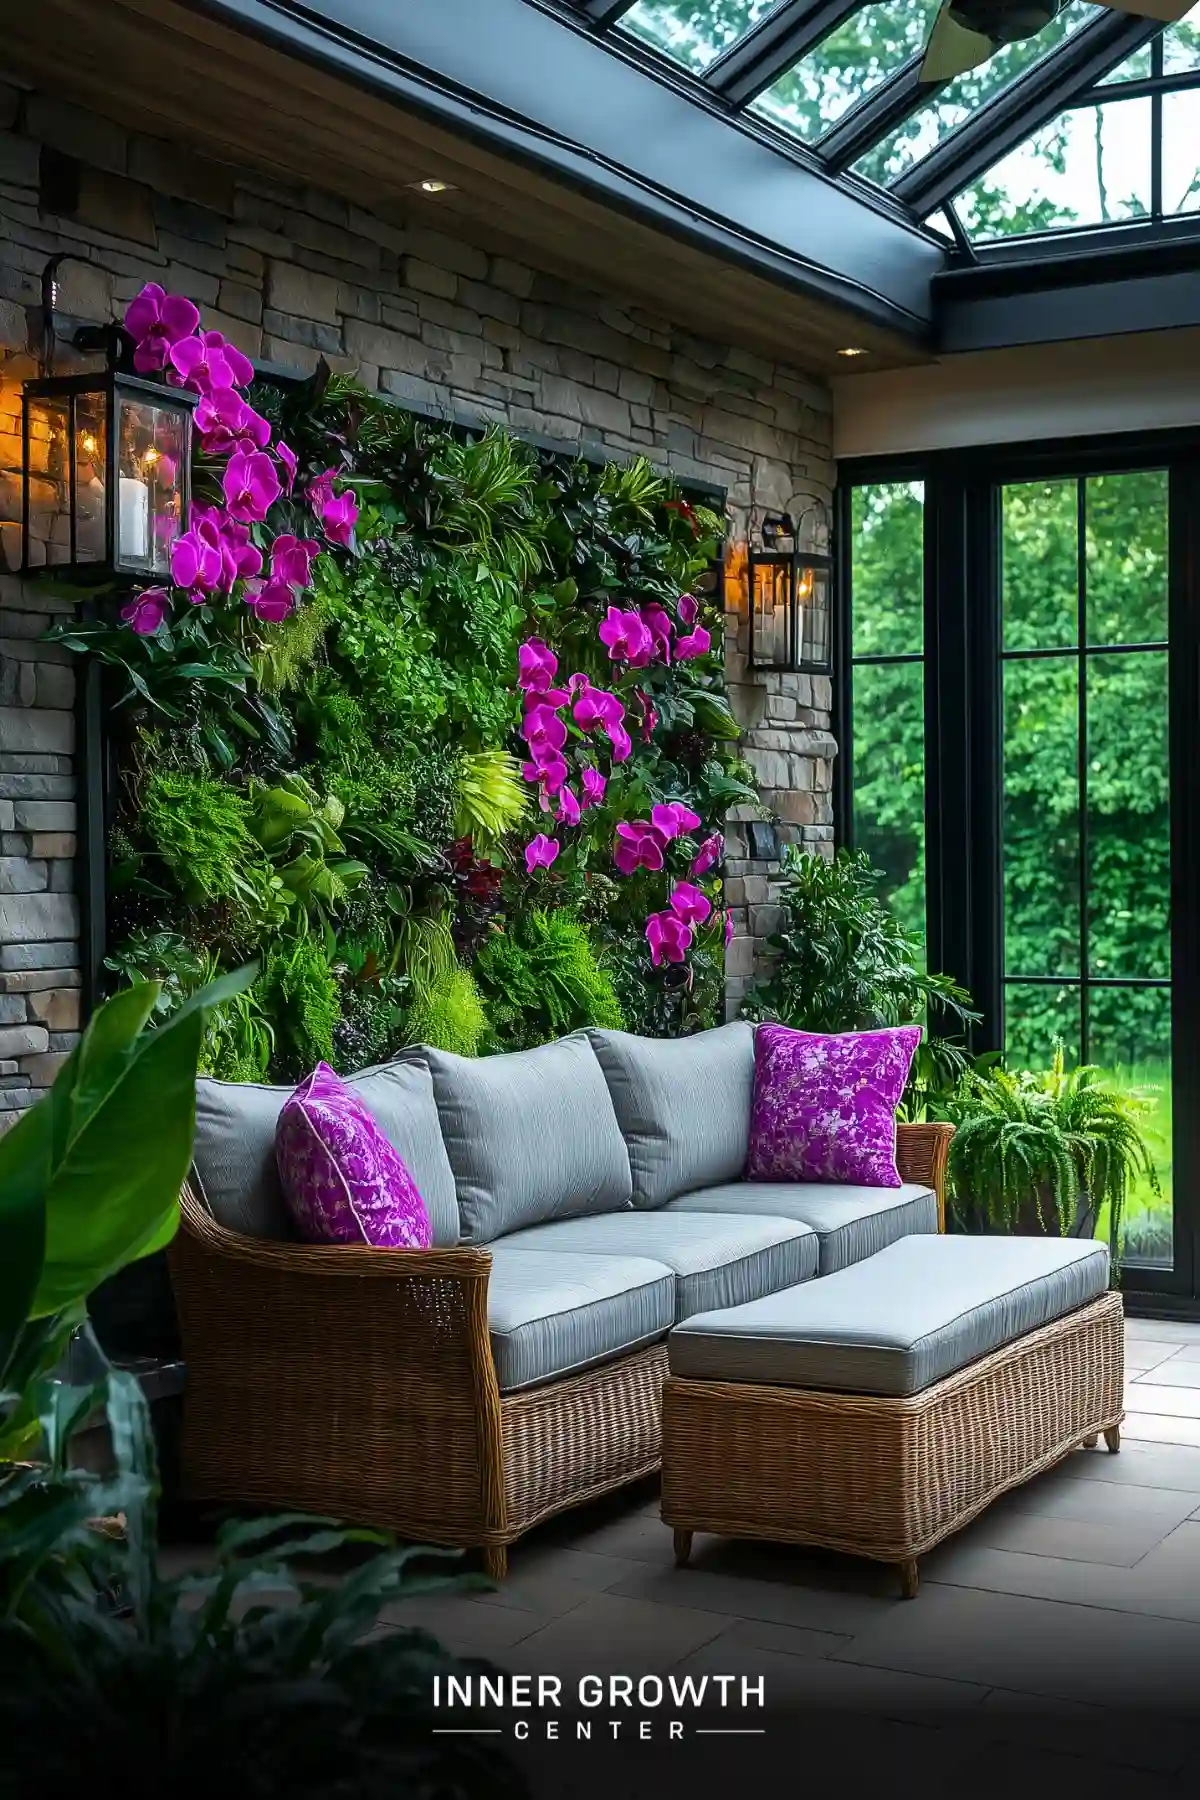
694 32
864 50
1092 166
962 98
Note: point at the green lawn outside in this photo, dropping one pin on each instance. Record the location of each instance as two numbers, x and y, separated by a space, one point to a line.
1148 1219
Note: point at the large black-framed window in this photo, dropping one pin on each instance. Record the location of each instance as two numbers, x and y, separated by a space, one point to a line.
1062 796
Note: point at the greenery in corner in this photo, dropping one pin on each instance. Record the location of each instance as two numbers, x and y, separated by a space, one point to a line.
1048 1151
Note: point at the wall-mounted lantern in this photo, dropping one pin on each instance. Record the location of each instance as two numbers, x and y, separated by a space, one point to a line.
106 464
789 573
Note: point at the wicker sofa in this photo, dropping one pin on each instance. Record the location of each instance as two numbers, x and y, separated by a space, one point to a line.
585 1197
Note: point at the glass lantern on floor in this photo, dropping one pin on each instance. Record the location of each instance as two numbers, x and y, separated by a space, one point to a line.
788 571
106 463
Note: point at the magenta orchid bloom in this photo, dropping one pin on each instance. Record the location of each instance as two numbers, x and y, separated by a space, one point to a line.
196 560
689 903
638 846
156 320
320 490
578 684
553 774
569 809
626 636
537 666
540 853
193 363
674 819
542 729
271 601
595 706
240 558
287 457
554 697
622 744
223 420
728 929
687 609
292 559
657 621
696 644
339 517
669 938
147 610
251 485
711 851
594 784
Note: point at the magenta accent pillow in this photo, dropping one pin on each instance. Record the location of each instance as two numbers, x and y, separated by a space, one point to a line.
824 1108
344 1183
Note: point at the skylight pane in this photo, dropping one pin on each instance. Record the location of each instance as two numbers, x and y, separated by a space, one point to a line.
1181 152
694 32
1181 46
1090 166
963 97
864 50
1138 67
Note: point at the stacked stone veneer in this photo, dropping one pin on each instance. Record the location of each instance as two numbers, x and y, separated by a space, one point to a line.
292 274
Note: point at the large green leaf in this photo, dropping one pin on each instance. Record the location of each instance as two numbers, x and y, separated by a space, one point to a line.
25 1153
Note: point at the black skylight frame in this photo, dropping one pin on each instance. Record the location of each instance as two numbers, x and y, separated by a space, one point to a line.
1067 76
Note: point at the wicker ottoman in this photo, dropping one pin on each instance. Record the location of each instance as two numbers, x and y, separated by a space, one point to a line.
877 1410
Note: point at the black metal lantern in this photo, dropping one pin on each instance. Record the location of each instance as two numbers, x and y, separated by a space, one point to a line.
789 576
106 465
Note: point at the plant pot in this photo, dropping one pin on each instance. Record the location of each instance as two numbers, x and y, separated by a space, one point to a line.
975 1222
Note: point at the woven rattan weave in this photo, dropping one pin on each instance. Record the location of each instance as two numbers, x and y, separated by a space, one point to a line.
359 1384
888 1478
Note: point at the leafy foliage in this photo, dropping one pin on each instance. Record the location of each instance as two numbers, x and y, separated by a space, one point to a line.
449 1015
542 980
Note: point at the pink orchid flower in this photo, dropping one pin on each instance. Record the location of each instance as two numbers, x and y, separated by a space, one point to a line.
542 729
339 517
626 636
638 846
674 819
147 610
568 808
537 666
711 851
597 707
287 457
251 485
196 562
669 938
594 784
240 557
292 559
622 744
271 601
553 697
224 420
156 320
696 644
540 853
689 903
193 363
578 684
657 621
687 609
728 929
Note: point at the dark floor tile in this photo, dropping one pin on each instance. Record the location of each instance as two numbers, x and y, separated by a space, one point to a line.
551 1579
787 1640
1094 1733
1160 1428
613 1632
1074 1652
780 1601
1114 1505
1075 1540
1139 1464
461 1625
816 1684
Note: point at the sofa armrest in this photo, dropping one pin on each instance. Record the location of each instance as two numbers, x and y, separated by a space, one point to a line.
922 1154
345 1381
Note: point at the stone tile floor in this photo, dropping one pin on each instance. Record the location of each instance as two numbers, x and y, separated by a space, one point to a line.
1055 1642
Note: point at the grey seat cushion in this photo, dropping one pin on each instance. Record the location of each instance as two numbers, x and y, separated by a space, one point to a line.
914 1313
683 1105
531 1135
234 1152
717 1261
851 1223
552 1315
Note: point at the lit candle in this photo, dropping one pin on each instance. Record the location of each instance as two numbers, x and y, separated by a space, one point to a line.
135 518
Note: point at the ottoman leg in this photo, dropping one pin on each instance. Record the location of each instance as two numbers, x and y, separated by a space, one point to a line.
495 1562
1112 1438
910 1578
1091 1440
683 1547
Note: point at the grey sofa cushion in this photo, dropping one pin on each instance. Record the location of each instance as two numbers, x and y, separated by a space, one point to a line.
552 1315
851 1223
683 1105
531 1136
234 1153
717 1261
917 1311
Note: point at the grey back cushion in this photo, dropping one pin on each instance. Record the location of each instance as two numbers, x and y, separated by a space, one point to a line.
234 1153
683 1105
531 1136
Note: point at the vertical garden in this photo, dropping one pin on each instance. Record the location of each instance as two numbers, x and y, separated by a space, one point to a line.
431 726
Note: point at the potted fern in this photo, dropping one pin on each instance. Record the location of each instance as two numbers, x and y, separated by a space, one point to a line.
1043 1153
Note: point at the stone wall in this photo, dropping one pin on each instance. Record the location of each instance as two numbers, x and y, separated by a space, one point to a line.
292 274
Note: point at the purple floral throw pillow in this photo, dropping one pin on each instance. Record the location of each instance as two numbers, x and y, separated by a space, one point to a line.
343 1181
824 1108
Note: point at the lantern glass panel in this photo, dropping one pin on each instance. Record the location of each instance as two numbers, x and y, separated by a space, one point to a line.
49 490
91 478
812 623
772 638
150 462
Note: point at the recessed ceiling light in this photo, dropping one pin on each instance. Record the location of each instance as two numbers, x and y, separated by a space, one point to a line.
431 185
853 350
